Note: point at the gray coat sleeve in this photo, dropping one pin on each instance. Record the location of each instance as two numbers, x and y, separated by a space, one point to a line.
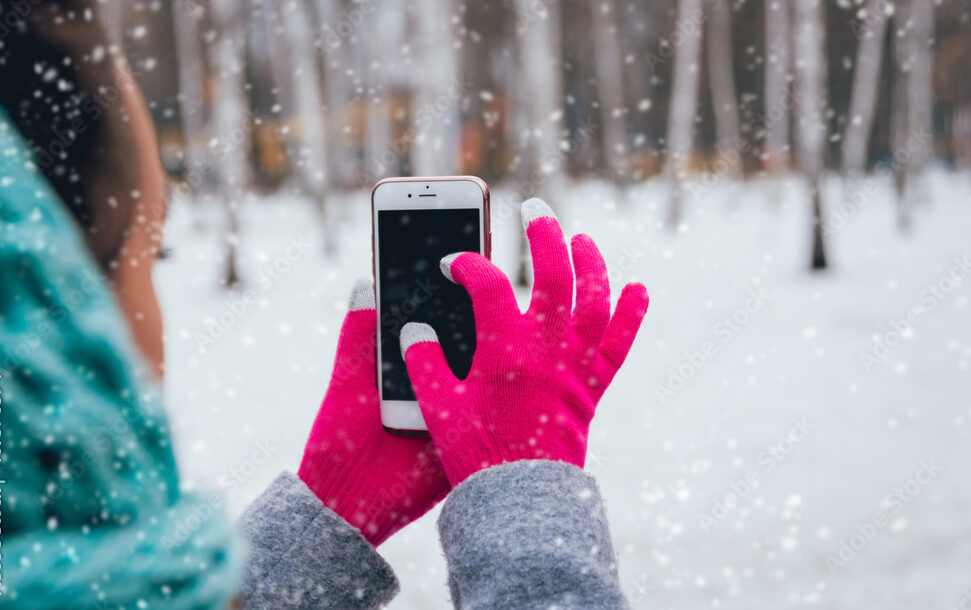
529 534
302 555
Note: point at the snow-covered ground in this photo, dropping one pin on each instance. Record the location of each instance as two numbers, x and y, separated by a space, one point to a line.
776 438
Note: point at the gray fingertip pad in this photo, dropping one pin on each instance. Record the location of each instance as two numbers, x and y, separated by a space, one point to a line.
362 295
416 332
534 208
446 265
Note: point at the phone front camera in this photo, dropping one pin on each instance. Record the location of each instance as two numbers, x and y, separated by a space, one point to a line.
409 195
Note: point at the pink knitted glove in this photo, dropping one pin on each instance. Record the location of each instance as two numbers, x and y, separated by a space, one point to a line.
536 377
377 481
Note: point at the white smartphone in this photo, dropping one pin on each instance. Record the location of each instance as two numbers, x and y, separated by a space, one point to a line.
415 222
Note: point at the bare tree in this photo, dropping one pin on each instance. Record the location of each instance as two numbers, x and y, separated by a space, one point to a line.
809 52
921 87
231 117
683 102
539 97
384 76
610 88
866 77
273 46
721 73
777 99
435 108
312 162
191 108
639 30
333 29
917 144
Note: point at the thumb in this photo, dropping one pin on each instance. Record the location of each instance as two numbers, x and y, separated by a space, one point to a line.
355 347
430 374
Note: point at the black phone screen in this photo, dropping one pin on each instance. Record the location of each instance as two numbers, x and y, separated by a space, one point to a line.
410 245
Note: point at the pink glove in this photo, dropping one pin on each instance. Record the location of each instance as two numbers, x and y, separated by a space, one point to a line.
536 377
377 481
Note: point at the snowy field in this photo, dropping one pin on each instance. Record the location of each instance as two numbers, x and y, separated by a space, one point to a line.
776 438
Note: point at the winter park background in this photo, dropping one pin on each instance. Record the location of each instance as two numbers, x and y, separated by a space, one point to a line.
790 179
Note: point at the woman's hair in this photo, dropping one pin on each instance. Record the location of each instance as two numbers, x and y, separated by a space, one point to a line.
59 85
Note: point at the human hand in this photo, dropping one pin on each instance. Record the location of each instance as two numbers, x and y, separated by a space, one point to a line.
536 377
377 481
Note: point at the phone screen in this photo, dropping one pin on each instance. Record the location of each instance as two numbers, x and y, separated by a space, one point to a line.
410 245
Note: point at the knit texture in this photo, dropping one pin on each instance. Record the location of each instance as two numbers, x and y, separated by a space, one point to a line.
536 377
532 534
378 481
92 511
302 555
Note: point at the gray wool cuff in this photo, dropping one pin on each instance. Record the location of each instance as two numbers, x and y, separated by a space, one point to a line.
529 534
303 555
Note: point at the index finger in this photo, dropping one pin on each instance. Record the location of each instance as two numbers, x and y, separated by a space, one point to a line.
553 274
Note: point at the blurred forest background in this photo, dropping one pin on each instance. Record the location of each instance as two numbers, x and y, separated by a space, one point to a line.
316 97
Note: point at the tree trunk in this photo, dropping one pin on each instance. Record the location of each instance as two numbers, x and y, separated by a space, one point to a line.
777 100
540 96
912 104
610 88
334 41
312 161
191 108
899 117
721 73
231 117
683 102
809 51
274 39
435 107
638 34
919 145
960 137
386 28
866 78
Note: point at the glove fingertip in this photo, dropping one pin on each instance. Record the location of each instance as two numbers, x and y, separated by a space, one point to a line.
638 293
416 332
446 265
534 208
362 295
581 239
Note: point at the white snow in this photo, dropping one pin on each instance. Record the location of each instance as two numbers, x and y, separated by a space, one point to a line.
741 444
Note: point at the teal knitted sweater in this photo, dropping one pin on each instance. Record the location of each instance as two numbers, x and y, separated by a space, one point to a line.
92 514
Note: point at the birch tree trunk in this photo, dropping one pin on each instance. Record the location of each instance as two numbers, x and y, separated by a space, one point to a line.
231 118
919 144
921 86
777 98
721 73
308 100
809 44
386 32
610 88
639 31
274 41
912 135
683 102
899 116
540 95
435 107
191 107
866 78
334 39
